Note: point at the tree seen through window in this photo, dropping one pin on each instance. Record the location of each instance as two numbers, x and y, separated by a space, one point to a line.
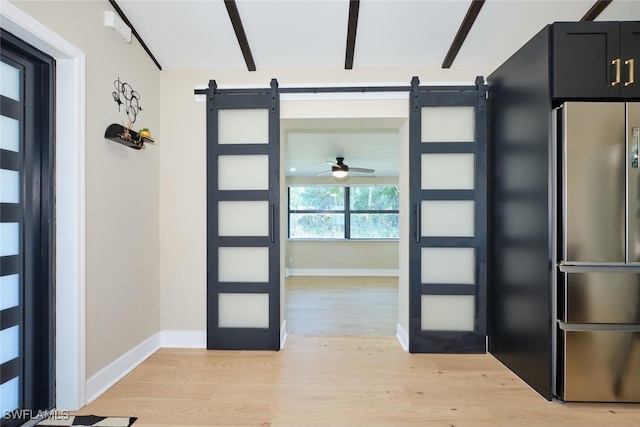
359 212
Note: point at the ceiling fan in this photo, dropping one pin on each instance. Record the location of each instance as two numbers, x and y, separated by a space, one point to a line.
340 170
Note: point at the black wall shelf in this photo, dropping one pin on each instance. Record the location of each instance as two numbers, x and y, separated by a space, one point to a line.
116 133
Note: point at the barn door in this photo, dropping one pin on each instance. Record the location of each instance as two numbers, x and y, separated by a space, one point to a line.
243 260
447 295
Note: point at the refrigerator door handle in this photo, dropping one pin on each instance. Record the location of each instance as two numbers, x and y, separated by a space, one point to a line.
635 140
598 267
418 223
628 327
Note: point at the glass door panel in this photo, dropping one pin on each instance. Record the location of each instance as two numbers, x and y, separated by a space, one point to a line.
447 171
448 218
448 124
243 311
243 172
448 265
26 229
11 292
448 313
243 218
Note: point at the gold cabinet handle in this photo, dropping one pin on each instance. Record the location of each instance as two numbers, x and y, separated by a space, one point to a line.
616 62
629 62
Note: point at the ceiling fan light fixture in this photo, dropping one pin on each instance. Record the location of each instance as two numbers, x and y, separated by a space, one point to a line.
339 173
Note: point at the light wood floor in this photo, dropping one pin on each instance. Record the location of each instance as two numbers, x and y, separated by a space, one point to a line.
320 305
351 378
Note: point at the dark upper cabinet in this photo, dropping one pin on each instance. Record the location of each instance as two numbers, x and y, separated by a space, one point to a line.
595 60
630 57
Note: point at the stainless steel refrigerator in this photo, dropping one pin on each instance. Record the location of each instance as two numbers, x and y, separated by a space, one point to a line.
596 211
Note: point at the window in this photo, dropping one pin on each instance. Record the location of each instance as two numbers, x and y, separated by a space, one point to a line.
359 212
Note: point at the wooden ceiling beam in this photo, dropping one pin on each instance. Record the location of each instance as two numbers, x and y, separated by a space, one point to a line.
354 8
234 16
596 10
120 13
463 31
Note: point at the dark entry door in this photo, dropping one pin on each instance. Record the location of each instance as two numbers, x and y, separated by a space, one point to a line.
243 196
26 224
447 290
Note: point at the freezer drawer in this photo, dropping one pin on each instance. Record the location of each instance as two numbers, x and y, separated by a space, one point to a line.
601 298
601 366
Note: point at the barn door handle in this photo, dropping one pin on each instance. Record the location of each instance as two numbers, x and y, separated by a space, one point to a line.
616 62
630 62
273 223
418 220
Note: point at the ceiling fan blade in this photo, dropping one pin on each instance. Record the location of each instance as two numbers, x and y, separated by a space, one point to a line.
363 170
324 173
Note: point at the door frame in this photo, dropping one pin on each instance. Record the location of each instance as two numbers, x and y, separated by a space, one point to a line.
34 163
70 107
352 102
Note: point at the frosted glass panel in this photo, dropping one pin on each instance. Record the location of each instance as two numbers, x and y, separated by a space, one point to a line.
448 124
9 81
448 171
9 343
9 238
249 172
448 265
9 291
9 134
243 310
447 218
448 312
9 393
9 186
243 126
243 218
243 265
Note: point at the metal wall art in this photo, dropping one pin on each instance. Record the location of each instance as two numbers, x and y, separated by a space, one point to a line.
124 95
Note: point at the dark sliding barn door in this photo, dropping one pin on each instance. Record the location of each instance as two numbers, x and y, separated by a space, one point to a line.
243 250
448 196
26 231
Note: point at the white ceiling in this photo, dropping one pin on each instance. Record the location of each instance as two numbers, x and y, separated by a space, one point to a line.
313 33
364 143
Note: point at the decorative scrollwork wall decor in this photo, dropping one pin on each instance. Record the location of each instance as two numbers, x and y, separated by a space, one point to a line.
124 95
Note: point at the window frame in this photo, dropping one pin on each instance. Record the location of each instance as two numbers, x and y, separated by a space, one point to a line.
347 212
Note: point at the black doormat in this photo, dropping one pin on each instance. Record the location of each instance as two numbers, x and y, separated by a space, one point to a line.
88 420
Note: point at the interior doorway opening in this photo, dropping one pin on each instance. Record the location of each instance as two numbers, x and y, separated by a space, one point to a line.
344 286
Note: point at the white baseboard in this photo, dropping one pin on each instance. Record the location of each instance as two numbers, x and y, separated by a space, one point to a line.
342 272
183 339
283 334
107 377
402 336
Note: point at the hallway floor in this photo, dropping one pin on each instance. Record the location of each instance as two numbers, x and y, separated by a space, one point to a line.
339 381
341 366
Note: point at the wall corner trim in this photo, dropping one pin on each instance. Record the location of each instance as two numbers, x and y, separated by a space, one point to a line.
283 334
342 272
402 336
114 372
